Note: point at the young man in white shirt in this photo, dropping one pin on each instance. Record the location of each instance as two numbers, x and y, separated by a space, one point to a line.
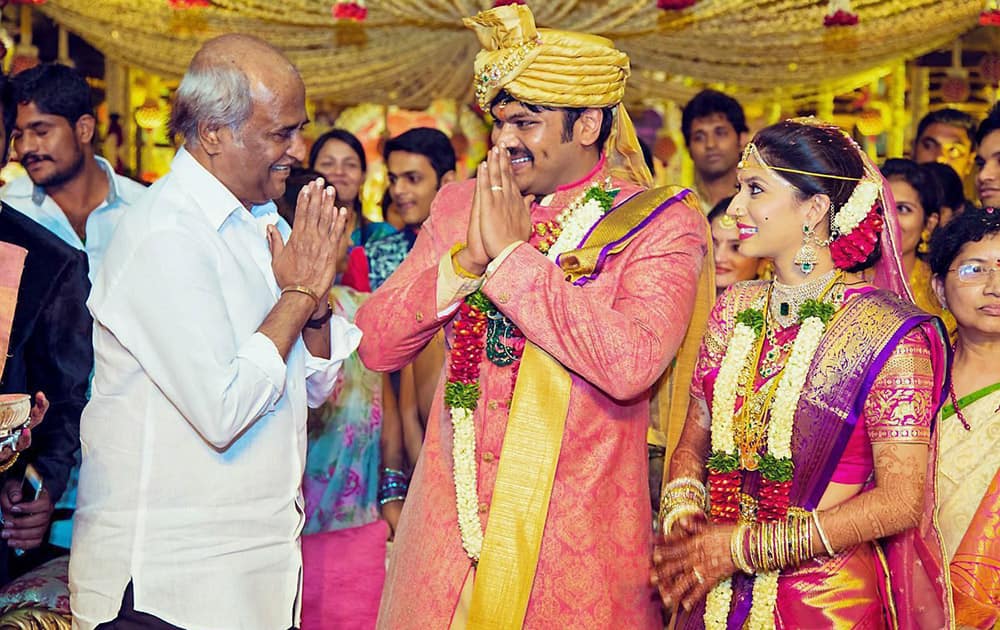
211 336
69 190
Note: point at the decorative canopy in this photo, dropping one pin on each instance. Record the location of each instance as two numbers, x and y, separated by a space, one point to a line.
408 52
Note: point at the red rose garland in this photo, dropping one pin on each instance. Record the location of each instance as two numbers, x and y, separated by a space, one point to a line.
851 249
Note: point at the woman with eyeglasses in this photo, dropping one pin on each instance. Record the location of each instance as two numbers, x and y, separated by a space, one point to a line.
965 260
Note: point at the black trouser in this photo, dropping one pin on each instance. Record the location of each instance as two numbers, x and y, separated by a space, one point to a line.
130 619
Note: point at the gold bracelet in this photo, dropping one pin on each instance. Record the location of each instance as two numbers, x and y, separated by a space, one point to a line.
682 490
669 519
780 544
4 467
736 548
805 540
796 540
459 269
822 535
768 547
753 547
298 288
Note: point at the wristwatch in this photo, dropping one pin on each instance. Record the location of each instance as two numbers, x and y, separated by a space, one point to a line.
322 319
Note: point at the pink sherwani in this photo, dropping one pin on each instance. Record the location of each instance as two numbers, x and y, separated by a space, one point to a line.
615 335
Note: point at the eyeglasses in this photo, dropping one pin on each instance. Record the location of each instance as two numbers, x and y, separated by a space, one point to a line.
975 272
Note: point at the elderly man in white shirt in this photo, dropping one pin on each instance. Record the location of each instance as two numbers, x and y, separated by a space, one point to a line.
210 340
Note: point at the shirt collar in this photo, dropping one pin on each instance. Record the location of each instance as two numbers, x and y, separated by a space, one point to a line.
594 172
38 193
566 193
210 195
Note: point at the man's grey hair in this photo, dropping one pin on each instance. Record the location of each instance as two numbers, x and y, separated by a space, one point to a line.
214 94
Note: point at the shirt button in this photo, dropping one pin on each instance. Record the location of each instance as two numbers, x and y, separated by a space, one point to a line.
488 457
484 507
492 405
419 316
503 298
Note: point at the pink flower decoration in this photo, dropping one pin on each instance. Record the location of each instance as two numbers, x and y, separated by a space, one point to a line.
352 11
990 18
674 5
840 18
851 249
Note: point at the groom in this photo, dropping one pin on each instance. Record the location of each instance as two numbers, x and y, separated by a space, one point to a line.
529 506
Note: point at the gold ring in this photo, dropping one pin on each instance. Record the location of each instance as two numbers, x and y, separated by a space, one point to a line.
496 187
697 575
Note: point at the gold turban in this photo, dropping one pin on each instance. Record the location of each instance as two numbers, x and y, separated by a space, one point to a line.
553 68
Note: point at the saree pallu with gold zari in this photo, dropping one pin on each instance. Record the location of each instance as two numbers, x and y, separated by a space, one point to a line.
969 507
898 582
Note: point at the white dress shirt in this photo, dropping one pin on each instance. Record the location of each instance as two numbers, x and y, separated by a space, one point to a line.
27 198
194 440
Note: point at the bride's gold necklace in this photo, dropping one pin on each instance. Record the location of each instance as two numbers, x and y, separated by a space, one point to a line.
786 299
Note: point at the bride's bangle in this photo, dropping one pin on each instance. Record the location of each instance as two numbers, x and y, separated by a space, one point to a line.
822 535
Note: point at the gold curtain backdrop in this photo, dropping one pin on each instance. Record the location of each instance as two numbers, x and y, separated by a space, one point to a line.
409 52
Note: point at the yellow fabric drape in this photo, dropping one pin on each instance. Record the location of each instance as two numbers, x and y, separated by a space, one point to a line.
521 494
408 52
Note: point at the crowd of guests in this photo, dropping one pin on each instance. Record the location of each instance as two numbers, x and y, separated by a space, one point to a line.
364 436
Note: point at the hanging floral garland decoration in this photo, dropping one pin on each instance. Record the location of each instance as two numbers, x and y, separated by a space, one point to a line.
990 15
840 13
352 10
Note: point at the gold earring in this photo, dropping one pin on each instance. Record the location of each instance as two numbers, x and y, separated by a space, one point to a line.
806 258
925 242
